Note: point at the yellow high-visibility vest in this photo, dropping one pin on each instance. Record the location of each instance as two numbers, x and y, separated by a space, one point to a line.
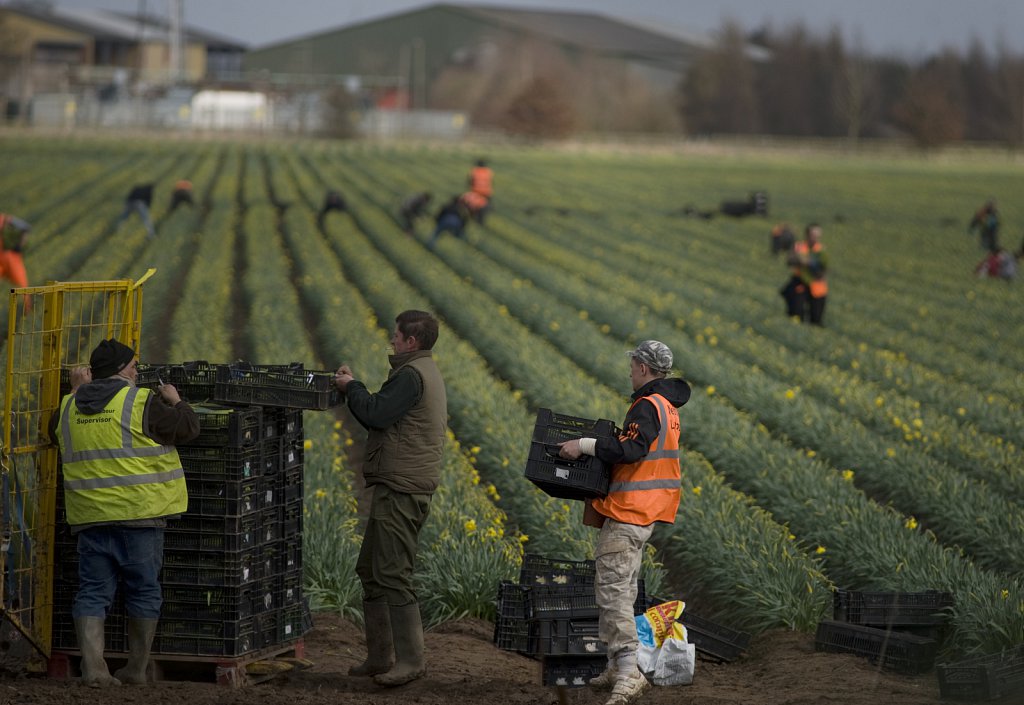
112 470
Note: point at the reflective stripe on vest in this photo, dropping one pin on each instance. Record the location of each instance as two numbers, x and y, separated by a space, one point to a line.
648 490
112 470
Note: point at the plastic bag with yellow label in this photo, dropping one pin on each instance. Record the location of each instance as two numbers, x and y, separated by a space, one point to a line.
664 655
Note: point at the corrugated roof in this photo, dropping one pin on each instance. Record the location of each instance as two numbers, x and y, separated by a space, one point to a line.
586 30
108 25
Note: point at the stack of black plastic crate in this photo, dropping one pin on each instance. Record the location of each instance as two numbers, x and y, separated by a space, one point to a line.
898 630
551 615
232 574
991 676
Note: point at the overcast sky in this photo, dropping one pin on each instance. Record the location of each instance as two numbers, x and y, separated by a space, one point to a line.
909 28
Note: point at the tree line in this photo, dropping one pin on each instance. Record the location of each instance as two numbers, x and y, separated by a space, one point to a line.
810 86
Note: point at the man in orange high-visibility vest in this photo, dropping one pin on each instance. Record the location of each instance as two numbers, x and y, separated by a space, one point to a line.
813 265
481 183
644 489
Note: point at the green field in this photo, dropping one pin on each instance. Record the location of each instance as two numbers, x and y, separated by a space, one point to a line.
881 452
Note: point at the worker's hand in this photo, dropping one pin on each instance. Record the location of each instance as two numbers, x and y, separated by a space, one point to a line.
342 377
170 394
80 375
570 450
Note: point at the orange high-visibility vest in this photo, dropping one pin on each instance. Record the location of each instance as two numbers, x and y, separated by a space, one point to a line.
647 491
480 181
183 185
818 287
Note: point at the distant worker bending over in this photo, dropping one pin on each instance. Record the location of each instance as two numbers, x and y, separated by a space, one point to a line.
182 194
481 183
413 208
139 200
14 232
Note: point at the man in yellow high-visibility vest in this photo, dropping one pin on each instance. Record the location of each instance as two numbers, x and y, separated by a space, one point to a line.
122 481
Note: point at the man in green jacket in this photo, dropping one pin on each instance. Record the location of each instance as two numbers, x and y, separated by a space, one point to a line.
122 481
406 421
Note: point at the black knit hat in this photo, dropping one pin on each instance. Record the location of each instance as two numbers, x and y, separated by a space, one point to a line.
109 358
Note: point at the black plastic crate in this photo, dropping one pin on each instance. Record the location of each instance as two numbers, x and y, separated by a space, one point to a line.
571 671
291 519
292 453
892 609
290 486
288 386
203 533
224 498
194 380
985 677
215 568
567 479
223 464
551 428
905 653
194 645
210 602
280 421
571 601
720 642
583 478
565 637
290 623
511 628
291 588
541 570
221 426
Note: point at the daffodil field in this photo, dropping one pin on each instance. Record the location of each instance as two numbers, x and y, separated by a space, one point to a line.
881 452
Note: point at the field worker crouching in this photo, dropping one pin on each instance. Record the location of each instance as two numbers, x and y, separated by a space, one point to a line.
122 481
139 200
406 420
644 489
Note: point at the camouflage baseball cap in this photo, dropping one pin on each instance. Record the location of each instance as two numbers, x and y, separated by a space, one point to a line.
654 354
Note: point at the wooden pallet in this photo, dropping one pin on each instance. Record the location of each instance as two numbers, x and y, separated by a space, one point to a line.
234 671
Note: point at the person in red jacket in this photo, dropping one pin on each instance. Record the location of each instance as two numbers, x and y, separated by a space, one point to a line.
644 489
13 232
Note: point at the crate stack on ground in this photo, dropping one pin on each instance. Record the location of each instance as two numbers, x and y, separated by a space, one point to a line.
551 615
232 572
899 630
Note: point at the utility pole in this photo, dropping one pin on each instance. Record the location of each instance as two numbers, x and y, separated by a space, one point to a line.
176 58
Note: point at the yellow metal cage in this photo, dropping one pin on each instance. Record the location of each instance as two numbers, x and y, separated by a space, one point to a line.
50 329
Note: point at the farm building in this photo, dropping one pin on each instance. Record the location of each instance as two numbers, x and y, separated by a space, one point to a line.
55 50
478 60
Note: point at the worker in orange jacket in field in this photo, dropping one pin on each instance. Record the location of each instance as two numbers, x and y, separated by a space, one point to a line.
481 183
182 194
813 265
13 232
644 490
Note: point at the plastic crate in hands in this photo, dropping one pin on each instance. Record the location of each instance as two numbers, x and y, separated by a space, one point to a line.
567 479
892 609
194 380
985 677
711 639
905 653
541 570
289 386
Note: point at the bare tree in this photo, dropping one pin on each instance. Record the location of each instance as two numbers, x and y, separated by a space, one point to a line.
718 92
540 111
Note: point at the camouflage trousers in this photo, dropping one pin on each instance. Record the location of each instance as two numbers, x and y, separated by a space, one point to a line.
618 555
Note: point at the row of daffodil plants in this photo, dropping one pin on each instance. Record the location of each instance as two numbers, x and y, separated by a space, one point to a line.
464 544
778 603
552 326
788 591
949 501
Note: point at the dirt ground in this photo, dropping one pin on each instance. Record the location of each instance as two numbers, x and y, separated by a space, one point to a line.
463 666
